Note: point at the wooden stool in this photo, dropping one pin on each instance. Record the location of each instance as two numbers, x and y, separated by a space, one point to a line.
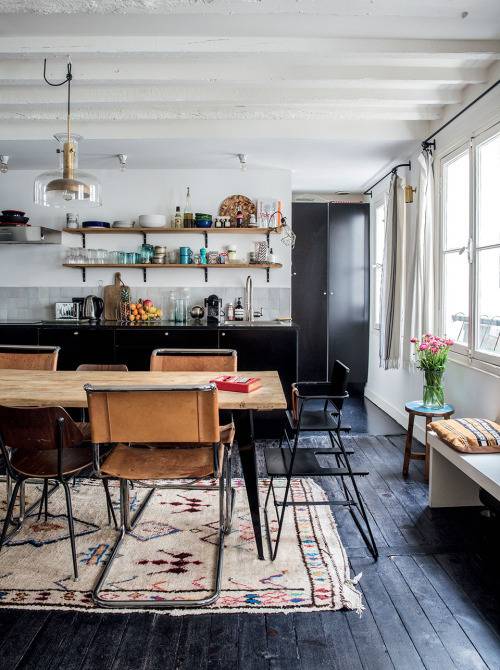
416 408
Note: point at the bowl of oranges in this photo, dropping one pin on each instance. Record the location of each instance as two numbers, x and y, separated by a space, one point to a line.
144 310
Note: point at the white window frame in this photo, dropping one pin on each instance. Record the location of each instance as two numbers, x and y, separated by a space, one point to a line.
484 360
379 202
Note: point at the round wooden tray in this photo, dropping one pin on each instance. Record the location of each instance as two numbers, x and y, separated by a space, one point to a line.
231 205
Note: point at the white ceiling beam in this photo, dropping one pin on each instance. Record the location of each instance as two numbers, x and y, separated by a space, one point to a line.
181 111
223 44
318 129
231 70
32 96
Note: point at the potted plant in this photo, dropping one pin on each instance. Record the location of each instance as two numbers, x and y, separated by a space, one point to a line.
432 354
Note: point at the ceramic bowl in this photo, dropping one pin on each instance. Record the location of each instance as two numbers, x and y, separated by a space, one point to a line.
152 220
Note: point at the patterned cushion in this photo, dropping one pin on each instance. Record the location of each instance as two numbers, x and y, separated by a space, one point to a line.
473 436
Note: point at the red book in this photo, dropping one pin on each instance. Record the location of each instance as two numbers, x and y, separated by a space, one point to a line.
237 383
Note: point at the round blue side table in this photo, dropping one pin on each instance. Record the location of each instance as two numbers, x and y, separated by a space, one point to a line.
416 408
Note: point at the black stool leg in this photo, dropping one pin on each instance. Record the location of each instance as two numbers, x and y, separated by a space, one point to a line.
10 509
370 542
109 504
71 527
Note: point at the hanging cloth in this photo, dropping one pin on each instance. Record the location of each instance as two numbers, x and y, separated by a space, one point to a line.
421 280
393 277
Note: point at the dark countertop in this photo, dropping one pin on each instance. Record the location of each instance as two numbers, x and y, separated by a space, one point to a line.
201 325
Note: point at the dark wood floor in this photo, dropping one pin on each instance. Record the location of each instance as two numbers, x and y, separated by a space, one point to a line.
431 601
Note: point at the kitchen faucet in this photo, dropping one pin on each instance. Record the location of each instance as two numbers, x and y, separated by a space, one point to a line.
250 315
249 299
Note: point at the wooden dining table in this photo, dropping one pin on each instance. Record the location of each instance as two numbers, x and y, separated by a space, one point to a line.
65 388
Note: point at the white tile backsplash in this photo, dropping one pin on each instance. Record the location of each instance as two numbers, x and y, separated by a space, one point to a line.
38 303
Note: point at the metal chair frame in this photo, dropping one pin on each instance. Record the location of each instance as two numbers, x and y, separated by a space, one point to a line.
59 479
353 501
127 523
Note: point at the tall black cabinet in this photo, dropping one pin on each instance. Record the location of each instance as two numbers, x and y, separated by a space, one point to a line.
330 288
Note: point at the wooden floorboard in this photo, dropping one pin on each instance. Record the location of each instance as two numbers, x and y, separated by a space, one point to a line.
431 601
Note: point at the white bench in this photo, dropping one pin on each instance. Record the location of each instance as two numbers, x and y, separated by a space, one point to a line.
455 478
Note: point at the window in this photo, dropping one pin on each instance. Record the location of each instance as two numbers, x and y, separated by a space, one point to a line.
379 239
471 247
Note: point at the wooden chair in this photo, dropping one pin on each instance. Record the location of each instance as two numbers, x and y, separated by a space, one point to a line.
102 367
316 407
27 357
44 443
184 416
194 360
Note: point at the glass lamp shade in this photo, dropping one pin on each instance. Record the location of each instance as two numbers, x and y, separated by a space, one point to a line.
68 186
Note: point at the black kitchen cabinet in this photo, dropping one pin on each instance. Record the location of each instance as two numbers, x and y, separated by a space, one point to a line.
134 346
18 335
265 349
80 345
331 289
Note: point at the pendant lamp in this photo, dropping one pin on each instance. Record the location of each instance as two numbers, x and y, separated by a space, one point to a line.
67 186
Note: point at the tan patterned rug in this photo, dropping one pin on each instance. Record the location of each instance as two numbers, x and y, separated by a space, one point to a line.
171 554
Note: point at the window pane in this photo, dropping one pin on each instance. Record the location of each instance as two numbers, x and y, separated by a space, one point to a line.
456 296
456 202
488 163
488 329
379 234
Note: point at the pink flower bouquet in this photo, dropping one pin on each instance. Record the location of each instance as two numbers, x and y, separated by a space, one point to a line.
432 354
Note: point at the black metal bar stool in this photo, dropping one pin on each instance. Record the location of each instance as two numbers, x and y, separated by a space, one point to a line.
288 461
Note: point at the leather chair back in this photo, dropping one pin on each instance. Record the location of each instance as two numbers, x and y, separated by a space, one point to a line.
194 360
37 428
169 414
26 357
102 367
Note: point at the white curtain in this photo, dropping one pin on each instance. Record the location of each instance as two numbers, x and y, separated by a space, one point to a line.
421 281
393 276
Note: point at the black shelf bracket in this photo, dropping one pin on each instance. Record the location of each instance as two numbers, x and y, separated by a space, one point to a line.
84 274
84 242
268 237
144 238
205 234
267 275
144 275
206 272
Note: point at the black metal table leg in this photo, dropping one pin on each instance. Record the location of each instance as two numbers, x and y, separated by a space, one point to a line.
246 445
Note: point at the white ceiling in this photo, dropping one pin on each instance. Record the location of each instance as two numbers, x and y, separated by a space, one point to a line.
333 90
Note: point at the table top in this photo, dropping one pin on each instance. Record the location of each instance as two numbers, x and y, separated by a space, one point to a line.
417 407
65 388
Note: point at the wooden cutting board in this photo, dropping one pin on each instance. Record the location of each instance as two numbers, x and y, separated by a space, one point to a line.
112 298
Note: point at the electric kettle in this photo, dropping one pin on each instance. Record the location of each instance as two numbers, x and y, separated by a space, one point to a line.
92 308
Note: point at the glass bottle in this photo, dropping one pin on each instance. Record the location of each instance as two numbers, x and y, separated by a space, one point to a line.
178 217
188 211
170 311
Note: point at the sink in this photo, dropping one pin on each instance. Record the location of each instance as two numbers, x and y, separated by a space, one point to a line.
251 324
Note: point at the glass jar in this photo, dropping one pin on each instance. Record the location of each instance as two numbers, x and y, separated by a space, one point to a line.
180 310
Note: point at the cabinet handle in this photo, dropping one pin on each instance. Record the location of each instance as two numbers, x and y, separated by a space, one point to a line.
165 333
75 332
324 292
223 334
294 274
331 292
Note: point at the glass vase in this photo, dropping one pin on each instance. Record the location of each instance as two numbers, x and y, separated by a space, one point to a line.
433 389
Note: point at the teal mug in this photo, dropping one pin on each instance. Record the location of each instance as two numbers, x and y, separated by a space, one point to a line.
185 255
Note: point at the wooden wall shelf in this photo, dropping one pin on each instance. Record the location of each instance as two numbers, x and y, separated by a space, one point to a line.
172 231
151 266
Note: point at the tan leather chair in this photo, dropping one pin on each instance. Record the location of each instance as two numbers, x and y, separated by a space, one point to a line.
44 443
28 357
194 360
184 417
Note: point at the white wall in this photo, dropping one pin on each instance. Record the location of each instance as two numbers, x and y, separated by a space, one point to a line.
473 392
125 196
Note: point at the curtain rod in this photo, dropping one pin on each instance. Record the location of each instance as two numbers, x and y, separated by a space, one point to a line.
393 171
429 142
